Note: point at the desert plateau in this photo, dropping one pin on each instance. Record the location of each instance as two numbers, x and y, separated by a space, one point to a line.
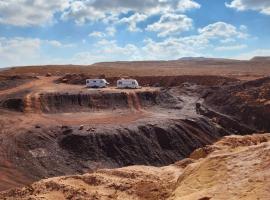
191 136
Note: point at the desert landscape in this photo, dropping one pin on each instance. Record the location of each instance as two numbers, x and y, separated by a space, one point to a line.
197 129
134 100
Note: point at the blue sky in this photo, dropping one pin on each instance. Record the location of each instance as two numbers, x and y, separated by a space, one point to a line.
88 31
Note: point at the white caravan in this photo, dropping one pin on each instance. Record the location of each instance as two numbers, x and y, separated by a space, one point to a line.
127 83
96 83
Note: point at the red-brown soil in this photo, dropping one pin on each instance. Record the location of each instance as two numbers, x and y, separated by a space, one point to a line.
69 129
248 102
245 70
53 126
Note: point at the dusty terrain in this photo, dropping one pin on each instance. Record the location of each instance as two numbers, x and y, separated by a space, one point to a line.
245 70
236 167
51 125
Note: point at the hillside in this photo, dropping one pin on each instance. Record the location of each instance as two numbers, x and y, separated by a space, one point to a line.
236 167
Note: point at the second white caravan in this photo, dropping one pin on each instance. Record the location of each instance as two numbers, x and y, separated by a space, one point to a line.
128 83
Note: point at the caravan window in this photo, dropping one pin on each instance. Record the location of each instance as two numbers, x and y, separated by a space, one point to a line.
120 82
101 81
133 82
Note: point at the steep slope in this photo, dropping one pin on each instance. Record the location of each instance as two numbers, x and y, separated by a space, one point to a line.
236 167
248 102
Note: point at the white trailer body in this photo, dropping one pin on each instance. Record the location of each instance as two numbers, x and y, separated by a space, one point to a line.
96 83
128 83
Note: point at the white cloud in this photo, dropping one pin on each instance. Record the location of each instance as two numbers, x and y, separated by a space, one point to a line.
112 50
40 12
107 11
184 5
111 31
223 30
171 24
133 20
55 43
106 50
263 6
25 51
82 11
168 49
97 34
231 48
227 40
194 45
30 12
18 51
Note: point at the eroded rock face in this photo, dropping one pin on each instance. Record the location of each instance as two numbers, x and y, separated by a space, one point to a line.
236 167
43 152
59 102
150 144
247 102
80 102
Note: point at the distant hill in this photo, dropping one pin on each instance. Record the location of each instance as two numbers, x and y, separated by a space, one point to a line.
199 59
261 58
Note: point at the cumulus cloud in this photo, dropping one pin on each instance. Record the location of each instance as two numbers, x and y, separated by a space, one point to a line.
184 5
109 32
97 34
170 24
222 29
18 51
263 6
175 47
110 11
171 48
133 20
82 11
40 12
29 12
25 51
106 50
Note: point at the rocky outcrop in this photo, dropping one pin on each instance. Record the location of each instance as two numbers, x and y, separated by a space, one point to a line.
80 102
68 102
236 167
247 102
150 144
233 168
43 152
